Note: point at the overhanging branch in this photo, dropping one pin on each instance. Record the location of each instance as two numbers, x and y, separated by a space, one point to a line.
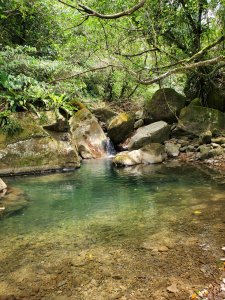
89 12
183 69
81 73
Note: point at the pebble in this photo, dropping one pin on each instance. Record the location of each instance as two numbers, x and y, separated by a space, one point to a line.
172 288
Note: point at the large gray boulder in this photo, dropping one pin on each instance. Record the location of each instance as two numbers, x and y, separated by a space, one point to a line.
198 120
165 105
33 149
87 134
156 132
150 154
120 127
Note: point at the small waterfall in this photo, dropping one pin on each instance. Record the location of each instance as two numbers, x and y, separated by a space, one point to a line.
109 148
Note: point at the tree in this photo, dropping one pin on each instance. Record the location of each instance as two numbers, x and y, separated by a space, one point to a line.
161 37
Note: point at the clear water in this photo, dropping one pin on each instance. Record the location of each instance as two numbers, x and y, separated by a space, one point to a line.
98 208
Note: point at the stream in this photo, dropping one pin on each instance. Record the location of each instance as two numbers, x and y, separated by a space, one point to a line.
105 233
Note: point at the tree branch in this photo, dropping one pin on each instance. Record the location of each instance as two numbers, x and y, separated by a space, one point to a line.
137 54
81 73
89 12
183 69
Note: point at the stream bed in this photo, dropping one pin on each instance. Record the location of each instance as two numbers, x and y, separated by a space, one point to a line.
147 232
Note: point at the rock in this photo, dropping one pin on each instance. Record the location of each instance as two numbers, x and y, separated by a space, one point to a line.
196 102
87 134
61 125
139 115
198 120
172 288
3 186
172 149
103 114
156 132
216 152
165 105
214 145
219 140
205 137
183 149
120 127
190 148
206 152
14 200
150 154
216 99
138 123
33 149
163 249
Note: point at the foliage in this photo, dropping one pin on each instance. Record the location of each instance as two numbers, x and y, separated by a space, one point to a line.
44 43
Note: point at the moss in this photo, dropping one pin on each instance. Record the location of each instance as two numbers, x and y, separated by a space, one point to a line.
197 120
77 104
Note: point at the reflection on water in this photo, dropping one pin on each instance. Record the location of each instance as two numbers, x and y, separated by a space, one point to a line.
100 206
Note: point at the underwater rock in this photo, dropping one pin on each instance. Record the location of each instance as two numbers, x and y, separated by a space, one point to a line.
14 201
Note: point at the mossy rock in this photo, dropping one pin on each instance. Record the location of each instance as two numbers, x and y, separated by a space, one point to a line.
165 105
216 99
103 114
198 119
120 127
196 102
32 148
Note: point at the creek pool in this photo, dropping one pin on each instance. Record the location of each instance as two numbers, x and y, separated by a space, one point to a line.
105 233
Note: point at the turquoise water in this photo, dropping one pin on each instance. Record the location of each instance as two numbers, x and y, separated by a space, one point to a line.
100 207
98 190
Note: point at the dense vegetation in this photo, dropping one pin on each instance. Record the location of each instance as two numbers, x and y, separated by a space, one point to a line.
55 51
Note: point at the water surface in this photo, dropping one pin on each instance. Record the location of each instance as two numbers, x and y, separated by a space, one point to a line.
100 231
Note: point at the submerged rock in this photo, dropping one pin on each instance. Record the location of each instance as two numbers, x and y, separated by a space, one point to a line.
165 105
120 127
149 154
14 201
87 134
156 132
